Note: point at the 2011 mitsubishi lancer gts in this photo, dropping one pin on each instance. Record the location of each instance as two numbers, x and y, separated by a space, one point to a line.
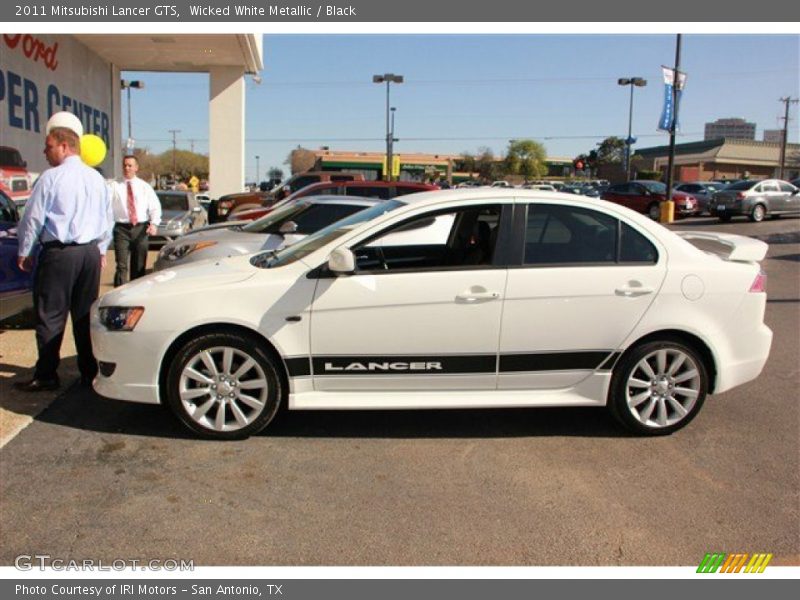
457 299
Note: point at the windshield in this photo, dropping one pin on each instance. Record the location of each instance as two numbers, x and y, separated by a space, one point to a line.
174 201
307 217
655 187
315 241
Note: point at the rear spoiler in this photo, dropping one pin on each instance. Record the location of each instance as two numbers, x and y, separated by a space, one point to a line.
741 248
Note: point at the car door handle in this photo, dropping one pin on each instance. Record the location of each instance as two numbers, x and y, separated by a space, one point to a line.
633 289
474 295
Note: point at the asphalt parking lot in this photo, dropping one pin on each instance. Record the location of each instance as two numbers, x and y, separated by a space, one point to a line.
95 478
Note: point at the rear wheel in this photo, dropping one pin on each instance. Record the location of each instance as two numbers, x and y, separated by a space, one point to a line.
758 213
223 386
654 211
658 387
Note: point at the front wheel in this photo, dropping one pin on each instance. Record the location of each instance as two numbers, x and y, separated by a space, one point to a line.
223 386
658 387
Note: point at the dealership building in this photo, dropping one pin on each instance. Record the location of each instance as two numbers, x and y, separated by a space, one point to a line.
42 74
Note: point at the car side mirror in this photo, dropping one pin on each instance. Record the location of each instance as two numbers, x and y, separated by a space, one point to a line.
342 261
288 227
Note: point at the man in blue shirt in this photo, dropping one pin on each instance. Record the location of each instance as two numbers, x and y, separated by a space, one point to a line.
69 215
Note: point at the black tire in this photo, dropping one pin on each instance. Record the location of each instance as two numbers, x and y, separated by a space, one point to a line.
724 218
219 408
758 213
660 395
654 211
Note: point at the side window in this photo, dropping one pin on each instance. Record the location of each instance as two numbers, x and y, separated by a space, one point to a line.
635 248
620 188
302 182
569 235
8 211
769 187
447 240
321 215
787 187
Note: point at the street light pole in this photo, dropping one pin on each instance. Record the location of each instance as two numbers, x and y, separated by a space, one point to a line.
258 170
638 82
388 78
127 85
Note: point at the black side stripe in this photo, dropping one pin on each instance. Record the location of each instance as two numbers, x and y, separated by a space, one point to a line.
556 361
299 366
590 360
403 365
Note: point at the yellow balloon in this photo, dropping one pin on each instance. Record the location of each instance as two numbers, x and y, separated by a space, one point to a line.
93 149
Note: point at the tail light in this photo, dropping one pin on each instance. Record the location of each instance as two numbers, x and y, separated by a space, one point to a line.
740 196
759 285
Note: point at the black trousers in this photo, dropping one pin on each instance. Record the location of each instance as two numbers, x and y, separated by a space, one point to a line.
130 243
67 281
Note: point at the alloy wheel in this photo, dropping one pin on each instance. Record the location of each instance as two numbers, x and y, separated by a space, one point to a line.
663 387
223 388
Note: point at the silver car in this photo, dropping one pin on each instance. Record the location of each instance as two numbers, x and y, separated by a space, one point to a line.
755 199
283 226
702 190
180 214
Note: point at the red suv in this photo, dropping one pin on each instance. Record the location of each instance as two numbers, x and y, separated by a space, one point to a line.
646 197
15 180
365 189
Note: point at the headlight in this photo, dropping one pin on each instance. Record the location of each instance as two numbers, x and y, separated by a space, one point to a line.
120 318
181 250
174 225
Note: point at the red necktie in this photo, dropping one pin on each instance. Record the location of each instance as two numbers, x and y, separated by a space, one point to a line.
131 206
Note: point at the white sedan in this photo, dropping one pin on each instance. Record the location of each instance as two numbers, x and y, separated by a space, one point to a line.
466 298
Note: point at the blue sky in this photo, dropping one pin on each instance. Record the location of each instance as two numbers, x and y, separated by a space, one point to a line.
463 92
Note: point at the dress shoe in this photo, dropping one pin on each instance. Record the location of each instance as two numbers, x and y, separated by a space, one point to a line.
37 385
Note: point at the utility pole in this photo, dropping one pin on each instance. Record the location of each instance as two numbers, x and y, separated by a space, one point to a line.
788 100
174 132
670 206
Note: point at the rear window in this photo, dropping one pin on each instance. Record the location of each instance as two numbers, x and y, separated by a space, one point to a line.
363 191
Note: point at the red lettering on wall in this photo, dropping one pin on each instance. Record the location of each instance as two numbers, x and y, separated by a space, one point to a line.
34 49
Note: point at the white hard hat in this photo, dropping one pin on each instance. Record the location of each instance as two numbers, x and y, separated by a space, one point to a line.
67 120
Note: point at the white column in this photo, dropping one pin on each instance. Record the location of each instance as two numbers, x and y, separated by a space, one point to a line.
115 152
226 130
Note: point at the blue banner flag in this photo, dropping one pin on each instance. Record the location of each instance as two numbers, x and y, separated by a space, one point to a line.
669 111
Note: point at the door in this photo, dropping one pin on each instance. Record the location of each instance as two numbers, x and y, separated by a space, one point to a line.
421 311
585 282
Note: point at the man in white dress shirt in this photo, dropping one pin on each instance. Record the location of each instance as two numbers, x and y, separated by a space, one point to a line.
137 213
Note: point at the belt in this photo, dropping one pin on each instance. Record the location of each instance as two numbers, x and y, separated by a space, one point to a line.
121 224
58 244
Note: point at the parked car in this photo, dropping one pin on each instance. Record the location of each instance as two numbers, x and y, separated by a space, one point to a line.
16 286
286 225
702 191
542 187
250 200
523 299
383 190
180 213
756 200
15 180
646 197
501 184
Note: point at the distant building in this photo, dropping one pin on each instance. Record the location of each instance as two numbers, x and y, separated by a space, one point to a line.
773 135
721 159
734 129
